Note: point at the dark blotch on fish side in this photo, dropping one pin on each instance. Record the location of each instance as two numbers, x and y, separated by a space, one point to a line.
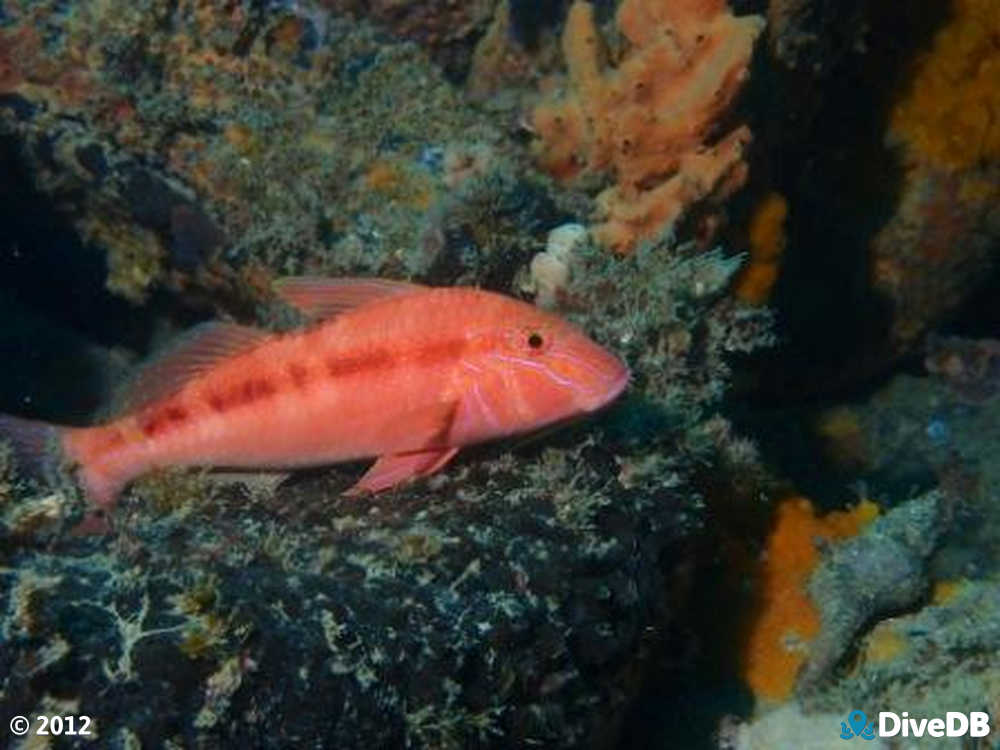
217 402
299 374
176 414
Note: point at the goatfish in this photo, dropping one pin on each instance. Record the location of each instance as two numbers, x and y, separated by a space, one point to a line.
399 372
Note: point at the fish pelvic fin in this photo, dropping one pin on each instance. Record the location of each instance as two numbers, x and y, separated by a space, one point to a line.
389 471
34 446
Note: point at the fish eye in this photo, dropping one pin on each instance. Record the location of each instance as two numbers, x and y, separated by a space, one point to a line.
535 340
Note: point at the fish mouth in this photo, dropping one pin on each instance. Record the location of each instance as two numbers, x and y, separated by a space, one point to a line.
609 389
617 385
620 383
595 375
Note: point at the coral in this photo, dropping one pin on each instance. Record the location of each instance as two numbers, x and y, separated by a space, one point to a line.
675 326
884 643
767 243
784 620
398 183
651 120
550 269
465 161
488 229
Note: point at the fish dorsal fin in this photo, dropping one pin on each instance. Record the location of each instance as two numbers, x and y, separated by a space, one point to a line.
320 297
190 355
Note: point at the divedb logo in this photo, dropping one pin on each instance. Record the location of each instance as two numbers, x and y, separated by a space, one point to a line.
954 724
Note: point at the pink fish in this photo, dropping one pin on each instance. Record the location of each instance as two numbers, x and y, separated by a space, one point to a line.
404 373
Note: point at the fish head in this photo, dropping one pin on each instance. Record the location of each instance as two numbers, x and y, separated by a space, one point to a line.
539 369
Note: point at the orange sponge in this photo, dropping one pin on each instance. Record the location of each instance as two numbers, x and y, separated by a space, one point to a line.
783 620
767 243
948 117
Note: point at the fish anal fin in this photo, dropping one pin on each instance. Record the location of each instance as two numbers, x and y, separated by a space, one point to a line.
189 356
390 471
320 297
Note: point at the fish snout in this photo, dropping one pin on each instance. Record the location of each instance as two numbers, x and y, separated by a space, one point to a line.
599 377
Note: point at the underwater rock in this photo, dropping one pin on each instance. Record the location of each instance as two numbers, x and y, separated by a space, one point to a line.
941 245
787 726
201 146
448 30
814 35
970 367
930 661
512 599
883 570
470 609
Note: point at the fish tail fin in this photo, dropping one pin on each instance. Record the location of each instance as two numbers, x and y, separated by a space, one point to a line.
101 479
34 446
102 487
41 450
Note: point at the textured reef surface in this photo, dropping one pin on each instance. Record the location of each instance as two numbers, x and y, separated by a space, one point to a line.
791 513
514 598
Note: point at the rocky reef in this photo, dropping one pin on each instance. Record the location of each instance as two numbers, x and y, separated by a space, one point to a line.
511 600
757 538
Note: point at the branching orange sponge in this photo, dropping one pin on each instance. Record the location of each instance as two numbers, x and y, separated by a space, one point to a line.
651 120
783 619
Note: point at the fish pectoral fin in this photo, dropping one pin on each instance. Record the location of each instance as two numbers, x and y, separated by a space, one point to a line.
319 297
389 471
